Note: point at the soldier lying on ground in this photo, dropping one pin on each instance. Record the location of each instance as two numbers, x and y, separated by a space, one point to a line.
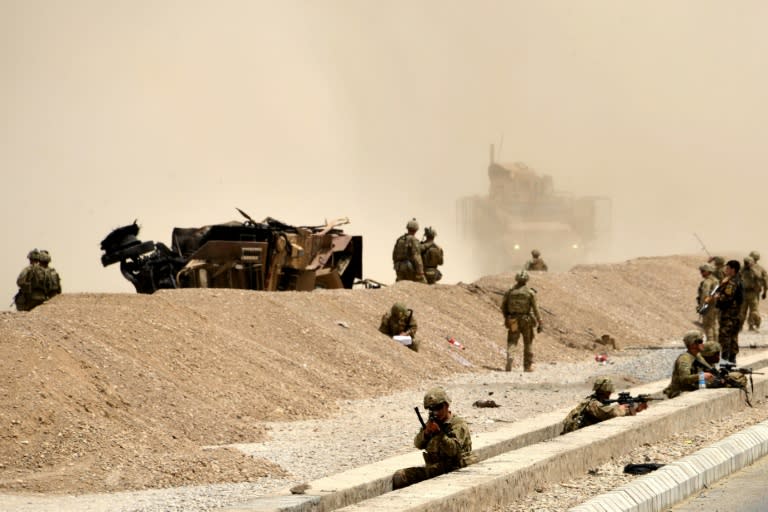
597 407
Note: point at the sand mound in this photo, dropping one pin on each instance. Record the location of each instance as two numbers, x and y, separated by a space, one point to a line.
105 392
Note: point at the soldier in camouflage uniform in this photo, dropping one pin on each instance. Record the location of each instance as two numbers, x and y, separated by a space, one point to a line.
521 315
399 321
406 255
753 284
685 376
718 263
593 409
536 263
728 300
445 439
709 318
52 279
431 256
31 283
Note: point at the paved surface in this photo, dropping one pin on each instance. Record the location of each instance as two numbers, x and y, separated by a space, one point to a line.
745 491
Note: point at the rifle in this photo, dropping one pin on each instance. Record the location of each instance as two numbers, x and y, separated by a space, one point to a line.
421 420
731 367
418 414
708 303
625 398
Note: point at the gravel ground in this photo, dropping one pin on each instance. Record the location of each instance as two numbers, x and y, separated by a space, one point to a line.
308 450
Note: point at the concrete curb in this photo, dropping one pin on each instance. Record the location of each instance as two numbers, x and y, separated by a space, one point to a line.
514 460
675 482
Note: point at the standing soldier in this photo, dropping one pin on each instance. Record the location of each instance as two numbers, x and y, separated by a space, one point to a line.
752 282
52 279
706 286
536 263
718 263
431 256
406 255
31 283
728 300
521 315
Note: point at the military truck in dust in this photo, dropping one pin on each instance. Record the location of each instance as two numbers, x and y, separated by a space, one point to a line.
523 212
267 255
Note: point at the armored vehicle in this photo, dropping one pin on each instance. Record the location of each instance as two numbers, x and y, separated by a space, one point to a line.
267 255
523 212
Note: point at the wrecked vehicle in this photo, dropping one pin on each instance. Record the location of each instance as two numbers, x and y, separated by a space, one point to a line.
267 255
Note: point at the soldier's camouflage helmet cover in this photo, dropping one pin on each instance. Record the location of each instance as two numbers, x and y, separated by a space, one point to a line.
398 308
436 397
710 348
603 385
430 232
33 255
535 253
45 256
706 268
412 225
691 337
755 255
749 260
522 276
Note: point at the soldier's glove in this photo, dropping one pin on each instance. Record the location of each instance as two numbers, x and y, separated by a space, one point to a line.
539 328
432 428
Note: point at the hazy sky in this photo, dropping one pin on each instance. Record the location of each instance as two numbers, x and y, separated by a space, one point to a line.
176 112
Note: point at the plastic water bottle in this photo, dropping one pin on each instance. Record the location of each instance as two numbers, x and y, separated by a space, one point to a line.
702 382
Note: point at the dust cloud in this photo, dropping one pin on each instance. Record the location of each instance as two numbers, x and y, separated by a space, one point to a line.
175 113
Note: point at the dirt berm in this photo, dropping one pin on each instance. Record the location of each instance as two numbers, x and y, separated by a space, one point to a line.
107 392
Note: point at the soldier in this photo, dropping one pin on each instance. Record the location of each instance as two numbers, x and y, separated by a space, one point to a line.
593 409
752 282
706 286
521 315
684 374
728 300
406 255
399 321
52 279
536 263
760 271
718 263
710 353
445 439
31 283
431 256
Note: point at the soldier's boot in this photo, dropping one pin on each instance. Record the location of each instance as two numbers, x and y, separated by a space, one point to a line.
529 368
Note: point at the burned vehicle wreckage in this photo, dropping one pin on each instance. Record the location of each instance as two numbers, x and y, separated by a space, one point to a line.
267 255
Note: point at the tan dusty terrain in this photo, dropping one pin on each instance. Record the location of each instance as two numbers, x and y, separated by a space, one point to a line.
103 392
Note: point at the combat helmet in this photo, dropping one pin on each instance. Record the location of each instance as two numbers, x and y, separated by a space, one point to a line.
706 268
398 309
692 337
755 256
749 261
710 348
45 256
535 253
33 255
522 276
603 385
430 232
412 225
717 260
436 397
